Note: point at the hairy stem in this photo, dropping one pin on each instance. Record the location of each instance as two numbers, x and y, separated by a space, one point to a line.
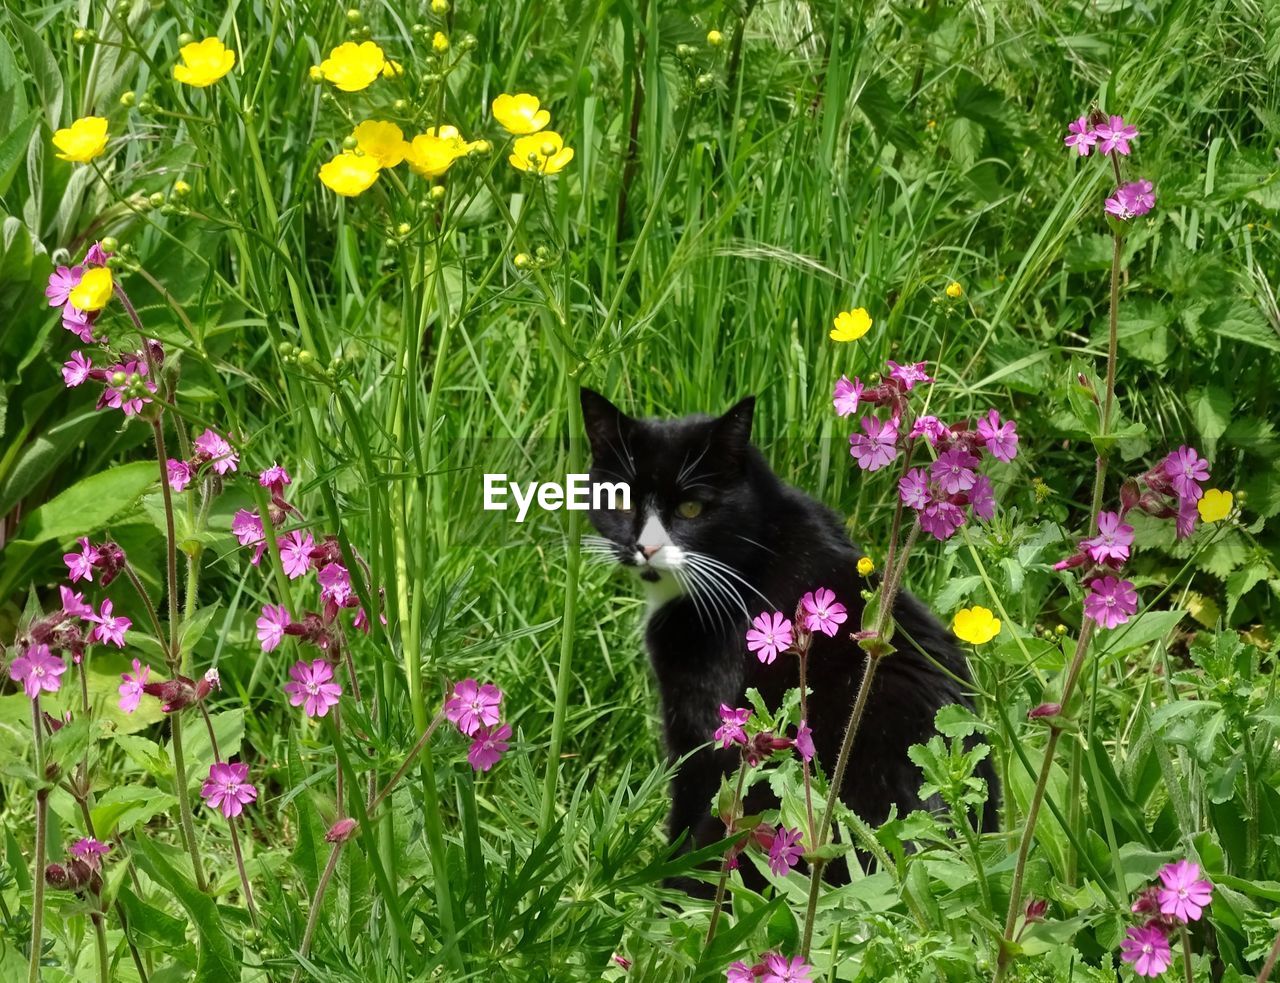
37 868
184 802
723 883
1273 957
104 958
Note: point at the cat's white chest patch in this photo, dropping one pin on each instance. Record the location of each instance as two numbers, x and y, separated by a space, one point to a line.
658 592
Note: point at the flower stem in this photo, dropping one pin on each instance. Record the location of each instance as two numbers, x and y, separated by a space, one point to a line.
804 765
104 959
722 884
171 552
1273 956
184 802
37 871
1186 955
244 875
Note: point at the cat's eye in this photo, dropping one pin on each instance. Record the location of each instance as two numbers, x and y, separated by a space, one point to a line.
689 510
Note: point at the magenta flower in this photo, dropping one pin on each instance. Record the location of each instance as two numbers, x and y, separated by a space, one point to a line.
1147 948
785 852
908 375
275 478
109 628
1081 136
295 553
846 395
740 972
271 626
488 746
227 788
930 428
73 603
804 741
1115 135
1131 200
780 969
131 686
89 850
1001 438
61 282
876 447
129 402
732 725
313 687
75 370
335 584
215 447
97 256
179 474
1185 894
472 707
80 565
37 669
982 498
1186 469
1111 545
941 519
954 470
823 612
79 323
913 489
768 635
1188 514
1110 602
246 526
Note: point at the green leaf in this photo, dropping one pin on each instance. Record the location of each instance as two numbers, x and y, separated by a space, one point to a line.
150 927
1242 321
121 808
1145 628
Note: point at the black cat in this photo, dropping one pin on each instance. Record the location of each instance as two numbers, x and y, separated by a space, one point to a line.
716 537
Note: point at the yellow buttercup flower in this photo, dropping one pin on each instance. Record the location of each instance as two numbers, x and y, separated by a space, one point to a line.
203 62
851 325
352 67
433 152
975 625
349 174
520 114
543 152
94 289
866 566
440 42
83 140
381 140
1215 505
392 69
954 290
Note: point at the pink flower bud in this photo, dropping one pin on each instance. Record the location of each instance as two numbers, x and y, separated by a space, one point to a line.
341 831
1045 710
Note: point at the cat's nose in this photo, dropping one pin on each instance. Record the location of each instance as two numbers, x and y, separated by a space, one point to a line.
648 551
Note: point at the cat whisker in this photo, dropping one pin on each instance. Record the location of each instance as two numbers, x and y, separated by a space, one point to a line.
756 542
713 596
724 568
717 583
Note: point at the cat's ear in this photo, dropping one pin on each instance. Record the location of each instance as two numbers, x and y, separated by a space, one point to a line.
605 423
732 431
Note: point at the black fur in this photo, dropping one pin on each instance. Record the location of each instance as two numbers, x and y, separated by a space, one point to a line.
782 544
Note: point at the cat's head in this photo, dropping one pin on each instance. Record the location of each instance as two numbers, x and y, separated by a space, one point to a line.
695 490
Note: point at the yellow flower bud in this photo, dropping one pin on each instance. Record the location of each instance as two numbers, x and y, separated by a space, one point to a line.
866 566
715 39
954 290
440 42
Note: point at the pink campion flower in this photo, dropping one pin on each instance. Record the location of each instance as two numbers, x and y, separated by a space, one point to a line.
295 553
227 788
275 478
732 725
1081 136
953 471
75 370
79 323
97 256
73 603
1000 437
740 972
131 686
930 428
80 565
1185 894
37 669
1115 135
335 585
130 403
876 447
982 498
780 969
913 489
1111 545
271 626
214 446
472 707
109 628
61 282
488 746
179 474
1188 514
90 850
941 519
846 395
804 741
769 634
785 852
909 374
313 687
1186 469
1110 602
1131 200
246 526
823 612
1147 949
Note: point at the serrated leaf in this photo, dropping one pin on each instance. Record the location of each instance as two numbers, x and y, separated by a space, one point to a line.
125 806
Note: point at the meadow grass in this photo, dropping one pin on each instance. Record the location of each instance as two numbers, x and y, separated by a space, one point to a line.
723 204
